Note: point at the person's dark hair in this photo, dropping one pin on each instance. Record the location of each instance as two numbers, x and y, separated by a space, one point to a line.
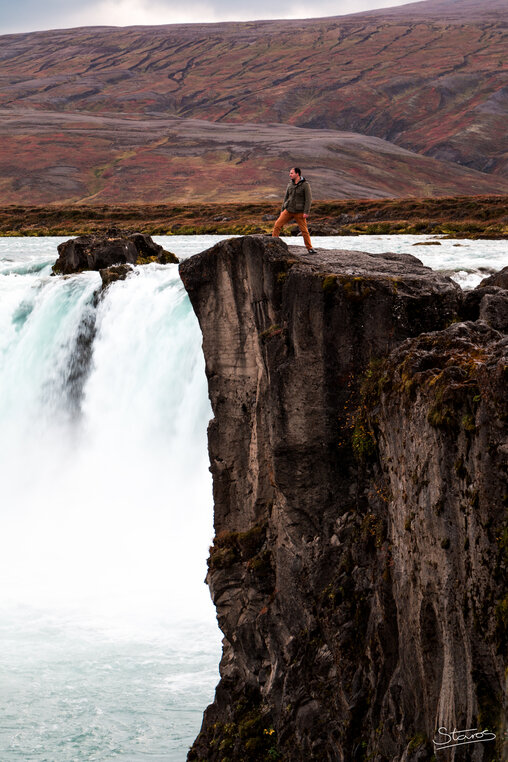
298 171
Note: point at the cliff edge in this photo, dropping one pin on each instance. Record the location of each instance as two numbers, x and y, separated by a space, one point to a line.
358 449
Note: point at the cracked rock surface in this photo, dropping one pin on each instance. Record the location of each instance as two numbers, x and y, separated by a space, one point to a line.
358 450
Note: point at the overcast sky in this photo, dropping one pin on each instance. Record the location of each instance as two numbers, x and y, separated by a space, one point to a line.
32 15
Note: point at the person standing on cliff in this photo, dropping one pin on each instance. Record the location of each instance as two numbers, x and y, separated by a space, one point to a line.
296 205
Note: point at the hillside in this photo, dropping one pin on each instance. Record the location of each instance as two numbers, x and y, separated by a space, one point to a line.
96 159
429 77
457 10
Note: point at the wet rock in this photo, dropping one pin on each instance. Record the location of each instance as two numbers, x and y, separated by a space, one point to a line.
149 251
499 279
97 252
494 310
470 308
489 301
93 252
115 272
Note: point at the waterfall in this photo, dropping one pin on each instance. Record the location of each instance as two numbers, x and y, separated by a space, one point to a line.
108 634
103 409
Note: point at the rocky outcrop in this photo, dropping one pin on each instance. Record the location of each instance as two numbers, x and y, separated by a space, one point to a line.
489 301
358 451
98 252
499 279
149 251
113 273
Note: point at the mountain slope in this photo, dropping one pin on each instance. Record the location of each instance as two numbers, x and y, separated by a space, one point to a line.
429 83
429 77
447 9
99 159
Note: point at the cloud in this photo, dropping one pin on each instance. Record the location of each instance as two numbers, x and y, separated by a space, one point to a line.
32 15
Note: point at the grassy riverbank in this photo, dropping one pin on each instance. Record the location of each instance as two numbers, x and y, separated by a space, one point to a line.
457 217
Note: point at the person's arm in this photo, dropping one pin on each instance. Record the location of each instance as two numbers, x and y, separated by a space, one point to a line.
285 199
308 200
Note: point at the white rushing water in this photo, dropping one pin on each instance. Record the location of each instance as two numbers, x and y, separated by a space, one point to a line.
109 642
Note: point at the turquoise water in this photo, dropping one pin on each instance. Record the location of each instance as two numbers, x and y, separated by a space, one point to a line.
72 690
109 642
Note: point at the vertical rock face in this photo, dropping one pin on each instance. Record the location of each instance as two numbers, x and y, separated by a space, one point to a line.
442 440
357 451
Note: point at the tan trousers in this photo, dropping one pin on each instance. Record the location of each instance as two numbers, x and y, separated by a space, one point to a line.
284 218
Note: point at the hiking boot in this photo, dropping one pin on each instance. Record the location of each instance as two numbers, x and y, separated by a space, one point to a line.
311 251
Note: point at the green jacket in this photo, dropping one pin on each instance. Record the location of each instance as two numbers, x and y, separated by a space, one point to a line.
298 197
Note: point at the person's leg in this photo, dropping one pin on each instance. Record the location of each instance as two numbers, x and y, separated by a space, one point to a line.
283 219
302 224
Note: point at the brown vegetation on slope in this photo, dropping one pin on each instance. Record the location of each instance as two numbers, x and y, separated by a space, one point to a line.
63 158
480 216
425 78
432 84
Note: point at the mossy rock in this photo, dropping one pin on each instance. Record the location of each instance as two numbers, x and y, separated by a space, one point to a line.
356 289
235 547
248 736
329 283
270 333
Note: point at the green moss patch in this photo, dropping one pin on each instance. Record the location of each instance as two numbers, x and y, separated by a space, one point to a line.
241 547
249 735
362 421
329 283
356 289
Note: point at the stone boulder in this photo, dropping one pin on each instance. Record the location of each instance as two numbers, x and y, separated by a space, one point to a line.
321 228
494 310
499 279
489 301
97 252
149 251
115 272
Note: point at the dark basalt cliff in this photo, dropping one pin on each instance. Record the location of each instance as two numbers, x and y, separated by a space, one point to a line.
358 451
